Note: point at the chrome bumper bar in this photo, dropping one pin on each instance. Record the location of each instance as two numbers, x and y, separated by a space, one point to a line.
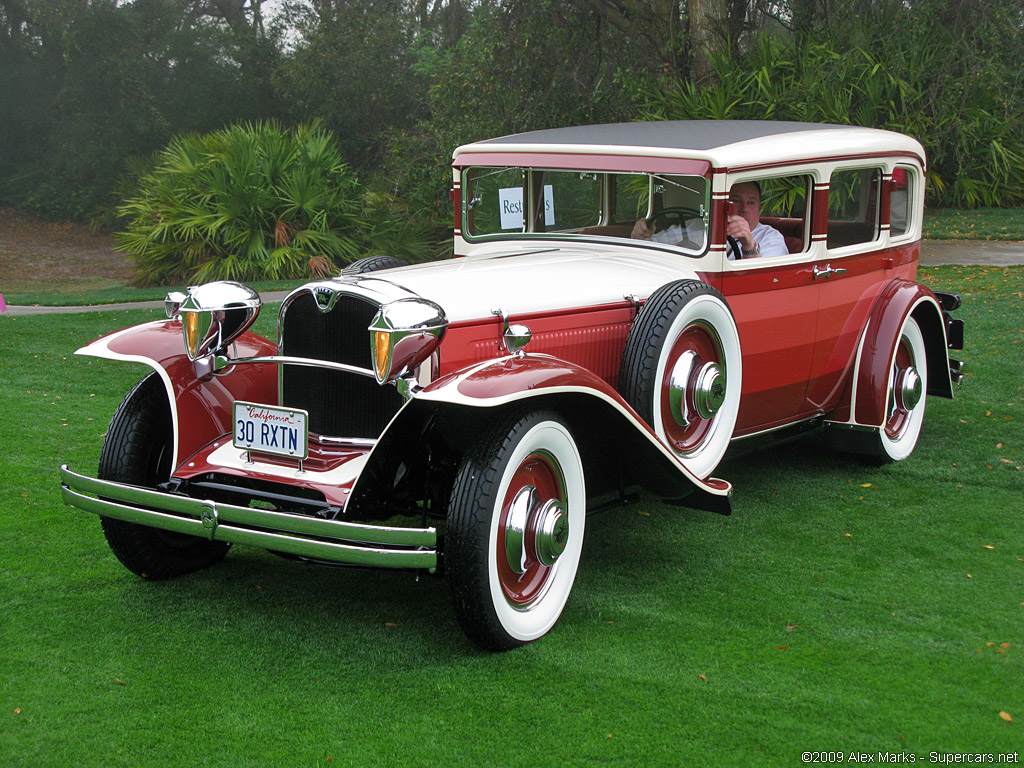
331 540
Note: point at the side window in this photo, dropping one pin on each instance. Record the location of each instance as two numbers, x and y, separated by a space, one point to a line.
784 208
901 193
853 200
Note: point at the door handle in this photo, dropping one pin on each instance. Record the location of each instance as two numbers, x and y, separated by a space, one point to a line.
827 271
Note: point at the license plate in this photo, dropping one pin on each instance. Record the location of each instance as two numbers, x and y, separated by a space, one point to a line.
269 429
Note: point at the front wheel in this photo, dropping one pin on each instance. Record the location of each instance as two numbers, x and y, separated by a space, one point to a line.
515 530
137 451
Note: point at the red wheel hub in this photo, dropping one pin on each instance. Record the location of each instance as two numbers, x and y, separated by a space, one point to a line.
533 529
904 390
693 388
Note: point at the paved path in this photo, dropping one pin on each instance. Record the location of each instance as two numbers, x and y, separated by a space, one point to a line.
989 253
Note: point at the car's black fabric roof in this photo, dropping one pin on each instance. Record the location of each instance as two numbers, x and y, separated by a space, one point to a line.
663 134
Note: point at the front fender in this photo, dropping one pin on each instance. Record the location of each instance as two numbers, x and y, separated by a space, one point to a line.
900 299
202 402
540 377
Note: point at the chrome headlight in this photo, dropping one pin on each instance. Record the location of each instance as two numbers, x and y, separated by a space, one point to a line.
213 315
403 334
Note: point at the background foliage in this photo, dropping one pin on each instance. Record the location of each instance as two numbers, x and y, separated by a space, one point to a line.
90 84
252 202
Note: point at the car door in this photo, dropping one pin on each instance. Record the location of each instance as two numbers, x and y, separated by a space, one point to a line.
850 274
775 302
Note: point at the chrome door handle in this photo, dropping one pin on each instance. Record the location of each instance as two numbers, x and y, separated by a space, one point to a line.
827 271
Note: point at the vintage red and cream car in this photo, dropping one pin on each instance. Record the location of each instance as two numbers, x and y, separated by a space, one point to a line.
625 303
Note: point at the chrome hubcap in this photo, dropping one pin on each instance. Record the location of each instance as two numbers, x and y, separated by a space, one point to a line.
543 525
551 532
909 389
704 384
709 390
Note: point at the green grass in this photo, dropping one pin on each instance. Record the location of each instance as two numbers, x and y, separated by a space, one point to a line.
840 607
95 291
978 224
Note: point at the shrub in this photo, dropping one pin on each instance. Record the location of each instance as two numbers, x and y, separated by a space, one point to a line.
964 115
253 201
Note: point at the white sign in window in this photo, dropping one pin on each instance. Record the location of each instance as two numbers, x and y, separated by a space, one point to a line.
511 201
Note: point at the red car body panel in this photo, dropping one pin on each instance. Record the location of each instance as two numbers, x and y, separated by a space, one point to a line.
202 406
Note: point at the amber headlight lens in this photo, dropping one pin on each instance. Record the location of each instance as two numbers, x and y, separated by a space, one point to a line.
381 356
213 315
403 334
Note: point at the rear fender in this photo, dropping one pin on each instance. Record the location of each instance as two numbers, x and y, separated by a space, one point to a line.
900 299
202 402
590 405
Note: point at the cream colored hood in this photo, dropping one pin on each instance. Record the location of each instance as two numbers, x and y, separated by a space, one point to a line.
538 278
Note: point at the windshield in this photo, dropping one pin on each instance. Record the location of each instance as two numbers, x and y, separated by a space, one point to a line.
508 201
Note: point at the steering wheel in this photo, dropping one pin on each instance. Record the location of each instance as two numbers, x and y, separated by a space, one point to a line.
680 214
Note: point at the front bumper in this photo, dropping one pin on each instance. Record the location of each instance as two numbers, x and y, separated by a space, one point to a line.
328 540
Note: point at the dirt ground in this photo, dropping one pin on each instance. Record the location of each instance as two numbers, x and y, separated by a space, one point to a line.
34 253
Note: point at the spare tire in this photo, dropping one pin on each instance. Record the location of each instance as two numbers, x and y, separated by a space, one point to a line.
682 371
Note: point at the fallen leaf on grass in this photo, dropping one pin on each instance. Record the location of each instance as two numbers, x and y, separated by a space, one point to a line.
1006 716
17 710
988 546
702 677
390 624
645 514
1004 645
1007 461
781 647
990 645
865 485
119 681
969 576
790 627
847 535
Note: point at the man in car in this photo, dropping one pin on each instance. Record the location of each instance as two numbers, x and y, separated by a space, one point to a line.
744 225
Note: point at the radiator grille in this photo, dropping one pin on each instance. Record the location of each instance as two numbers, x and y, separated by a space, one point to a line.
339 404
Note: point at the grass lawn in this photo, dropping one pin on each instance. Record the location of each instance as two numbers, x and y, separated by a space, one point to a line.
979 224
90 291
841 607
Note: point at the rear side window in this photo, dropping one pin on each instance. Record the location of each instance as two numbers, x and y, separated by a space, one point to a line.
853 201
901 193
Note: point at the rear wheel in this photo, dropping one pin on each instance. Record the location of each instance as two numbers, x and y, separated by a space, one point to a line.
515 530
137 450
905 395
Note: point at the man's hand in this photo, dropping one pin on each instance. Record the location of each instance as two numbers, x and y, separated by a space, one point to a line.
739 228
641 231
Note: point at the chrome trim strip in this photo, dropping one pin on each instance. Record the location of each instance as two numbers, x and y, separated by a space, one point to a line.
226 362
804 422
228 522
